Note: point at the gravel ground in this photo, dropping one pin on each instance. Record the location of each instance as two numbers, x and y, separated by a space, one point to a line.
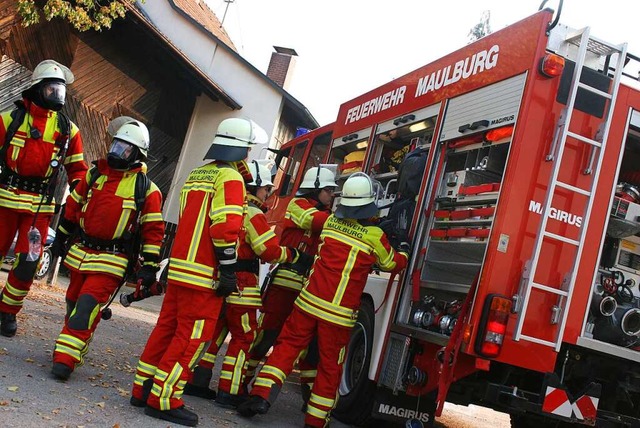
97 395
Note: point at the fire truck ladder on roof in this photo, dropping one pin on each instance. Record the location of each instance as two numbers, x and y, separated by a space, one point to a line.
585 44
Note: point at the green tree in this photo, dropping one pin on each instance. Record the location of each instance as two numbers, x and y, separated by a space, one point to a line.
82 14
481 29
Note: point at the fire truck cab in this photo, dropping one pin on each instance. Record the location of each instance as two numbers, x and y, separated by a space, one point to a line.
523 289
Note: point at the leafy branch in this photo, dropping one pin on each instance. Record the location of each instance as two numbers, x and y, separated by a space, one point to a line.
82 14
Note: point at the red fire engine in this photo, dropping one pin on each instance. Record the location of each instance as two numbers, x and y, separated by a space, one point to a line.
523 290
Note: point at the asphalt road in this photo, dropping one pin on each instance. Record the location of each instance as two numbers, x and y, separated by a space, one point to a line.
97 395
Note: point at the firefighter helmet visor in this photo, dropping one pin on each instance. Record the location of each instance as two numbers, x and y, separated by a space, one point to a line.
121 154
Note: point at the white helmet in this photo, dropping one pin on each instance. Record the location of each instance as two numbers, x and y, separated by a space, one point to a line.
136 133
358 198
261 174
50 69
233 139
318 178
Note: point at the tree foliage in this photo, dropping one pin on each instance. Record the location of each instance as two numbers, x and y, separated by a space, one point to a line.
481 29
82 14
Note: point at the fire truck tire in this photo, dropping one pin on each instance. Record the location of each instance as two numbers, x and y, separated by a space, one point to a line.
356 390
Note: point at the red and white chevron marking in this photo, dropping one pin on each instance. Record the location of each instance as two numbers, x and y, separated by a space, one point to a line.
557 402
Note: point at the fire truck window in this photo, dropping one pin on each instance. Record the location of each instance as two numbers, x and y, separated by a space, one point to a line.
293 168
282 162
318 151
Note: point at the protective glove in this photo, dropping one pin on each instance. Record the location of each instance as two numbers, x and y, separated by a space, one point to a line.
404 247
59 245
301 262
147 274
228 282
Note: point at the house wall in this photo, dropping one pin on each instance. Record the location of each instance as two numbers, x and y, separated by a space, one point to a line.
260 101
119 71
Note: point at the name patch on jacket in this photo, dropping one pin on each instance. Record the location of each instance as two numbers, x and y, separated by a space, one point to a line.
203 174
348 228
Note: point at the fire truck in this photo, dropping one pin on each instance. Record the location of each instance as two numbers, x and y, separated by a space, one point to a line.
523 288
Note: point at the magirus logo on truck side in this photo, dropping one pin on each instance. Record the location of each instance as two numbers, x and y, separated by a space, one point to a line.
401 412
557 214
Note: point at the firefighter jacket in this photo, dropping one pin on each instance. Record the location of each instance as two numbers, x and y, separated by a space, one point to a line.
105 213
348 250
301 229
31 157
258 242
210 218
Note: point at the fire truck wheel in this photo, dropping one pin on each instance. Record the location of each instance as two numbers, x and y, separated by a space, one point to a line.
356 390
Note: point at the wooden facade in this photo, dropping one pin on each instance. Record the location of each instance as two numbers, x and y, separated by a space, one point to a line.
124 70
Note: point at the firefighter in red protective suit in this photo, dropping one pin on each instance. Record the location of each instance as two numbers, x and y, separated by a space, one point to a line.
36 139
257 242
328 305
102 212
201 273
304 218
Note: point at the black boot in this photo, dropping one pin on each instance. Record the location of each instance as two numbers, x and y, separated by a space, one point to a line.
180 416
146 390
61 371
254 405
306 394
8 324
199 385
230 401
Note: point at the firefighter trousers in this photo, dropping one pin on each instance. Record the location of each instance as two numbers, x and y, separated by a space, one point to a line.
180 338
21 275
85 295
241 322
277 306
298 331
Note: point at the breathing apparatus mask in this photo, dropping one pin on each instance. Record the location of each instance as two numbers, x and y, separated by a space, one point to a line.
49 94
121 154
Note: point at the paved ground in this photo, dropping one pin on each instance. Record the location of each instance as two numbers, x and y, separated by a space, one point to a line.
97 394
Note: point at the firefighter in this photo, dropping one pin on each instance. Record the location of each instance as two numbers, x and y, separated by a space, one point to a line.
202 269
350 244
304 218
103 209
36 139
257 242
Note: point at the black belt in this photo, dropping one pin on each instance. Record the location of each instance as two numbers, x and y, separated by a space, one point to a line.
106 245
28 184
245 265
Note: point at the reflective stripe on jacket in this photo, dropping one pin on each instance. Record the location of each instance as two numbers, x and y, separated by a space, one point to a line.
106 212
211 209
347 252
257 240
30 157
302 225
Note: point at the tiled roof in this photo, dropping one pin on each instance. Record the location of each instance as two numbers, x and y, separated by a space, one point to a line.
200 12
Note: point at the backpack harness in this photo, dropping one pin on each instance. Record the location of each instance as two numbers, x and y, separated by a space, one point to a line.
42 186
129 243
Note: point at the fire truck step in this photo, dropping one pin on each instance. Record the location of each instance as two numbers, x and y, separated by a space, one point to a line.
561 238
573 188
549 289
584 139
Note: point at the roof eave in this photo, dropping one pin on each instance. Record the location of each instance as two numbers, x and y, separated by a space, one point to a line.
209 86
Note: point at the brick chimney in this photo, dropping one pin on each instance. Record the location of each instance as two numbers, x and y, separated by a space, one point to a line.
281 66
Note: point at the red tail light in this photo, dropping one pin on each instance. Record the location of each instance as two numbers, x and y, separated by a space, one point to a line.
493 325
552 65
